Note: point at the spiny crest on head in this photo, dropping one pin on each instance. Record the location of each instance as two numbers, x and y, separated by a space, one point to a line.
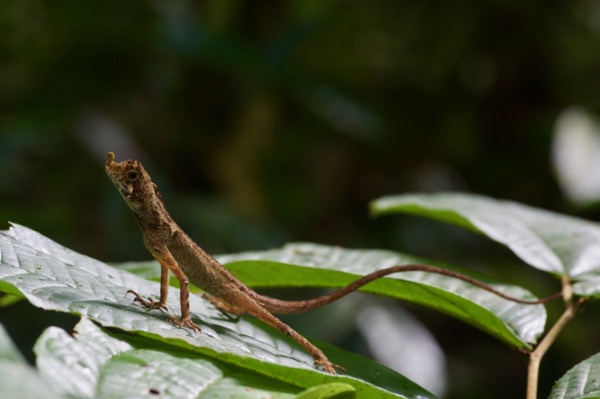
131 180
130 169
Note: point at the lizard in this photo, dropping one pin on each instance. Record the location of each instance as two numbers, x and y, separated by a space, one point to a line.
177 253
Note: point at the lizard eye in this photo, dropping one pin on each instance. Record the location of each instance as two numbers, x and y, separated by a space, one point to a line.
132 175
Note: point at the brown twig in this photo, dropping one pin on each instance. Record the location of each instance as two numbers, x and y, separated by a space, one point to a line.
535 357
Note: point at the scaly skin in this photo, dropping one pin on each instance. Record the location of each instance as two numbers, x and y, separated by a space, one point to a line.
179 254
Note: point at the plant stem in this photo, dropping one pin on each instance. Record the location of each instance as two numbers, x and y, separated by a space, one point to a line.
535 357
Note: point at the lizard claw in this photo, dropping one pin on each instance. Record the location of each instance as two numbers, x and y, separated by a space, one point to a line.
147 303
185 322
152 304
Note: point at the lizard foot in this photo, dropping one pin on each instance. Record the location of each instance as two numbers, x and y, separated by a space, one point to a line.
329 367
147 303
185 322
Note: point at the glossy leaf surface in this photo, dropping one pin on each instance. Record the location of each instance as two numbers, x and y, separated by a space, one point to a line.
53 277
555 243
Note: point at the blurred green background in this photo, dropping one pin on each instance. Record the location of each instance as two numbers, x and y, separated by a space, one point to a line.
265 122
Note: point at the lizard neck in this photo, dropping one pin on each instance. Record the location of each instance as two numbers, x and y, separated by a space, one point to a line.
152 214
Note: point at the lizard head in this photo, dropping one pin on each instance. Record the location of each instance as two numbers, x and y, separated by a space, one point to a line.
132 181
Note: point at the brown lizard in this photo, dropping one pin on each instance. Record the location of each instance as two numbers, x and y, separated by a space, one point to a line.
178 253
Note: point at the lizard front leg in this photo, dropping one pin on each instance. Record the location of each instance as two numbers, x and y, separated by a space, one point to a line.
164 292
168 263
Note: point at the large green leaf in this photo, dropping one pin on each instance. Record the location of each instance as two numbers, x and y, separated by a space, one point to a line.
559 244
17 378
581 382
295 264
53 277
94 364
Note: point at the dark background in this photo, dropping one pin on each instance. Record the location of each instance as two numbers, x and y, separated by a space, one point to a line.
265 122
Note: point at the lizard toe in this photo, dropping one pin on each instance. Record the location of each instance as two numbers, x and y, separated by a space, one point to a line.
185 322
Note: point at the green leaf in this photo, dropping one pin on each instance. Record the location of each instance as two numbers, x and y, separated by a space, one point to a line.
334 390
581 382
313 265
17 378
588 286
8 299
95 364
53 277
73 363
8 351
558 244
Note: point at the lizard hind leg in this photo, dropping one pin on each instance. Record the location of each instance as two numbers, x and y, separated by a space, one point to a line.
224 306
255 309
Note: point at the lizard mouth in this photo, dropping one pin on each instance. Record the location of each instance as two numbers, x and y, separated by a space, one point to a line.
122 188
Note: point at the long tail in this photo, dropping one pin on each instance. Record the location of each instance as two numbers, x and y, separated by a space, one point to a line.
279 306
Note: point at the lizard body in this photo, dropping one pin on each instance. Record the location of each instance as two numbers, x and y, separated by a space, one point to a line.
178 253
